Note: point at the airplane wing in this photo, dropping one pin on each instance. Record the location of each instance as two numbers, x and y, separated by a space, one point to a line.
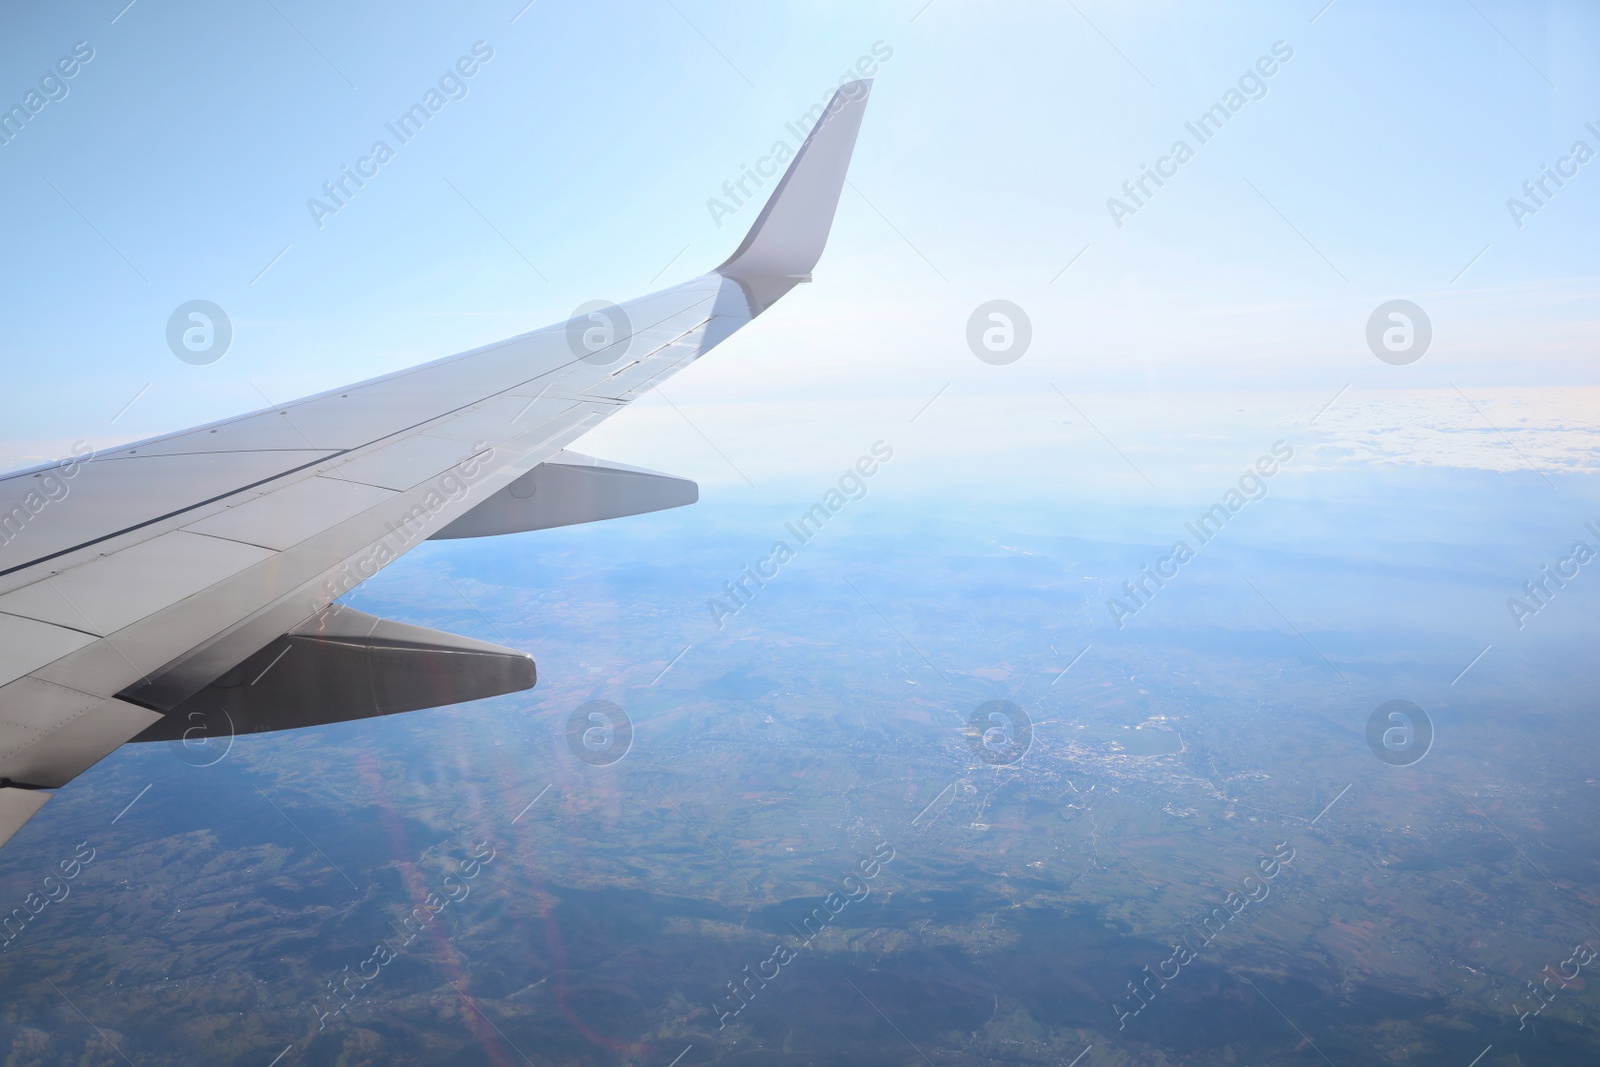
185 587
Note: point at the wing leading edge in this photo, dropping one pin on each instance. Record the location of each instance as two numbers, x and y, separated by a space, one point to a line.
134 579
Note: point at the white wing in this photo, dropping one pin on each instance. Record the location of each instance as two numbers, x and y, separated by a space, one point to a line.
147 588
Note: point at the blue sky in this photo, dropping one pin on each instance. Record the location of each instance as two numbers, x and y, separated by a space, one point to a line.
1375 164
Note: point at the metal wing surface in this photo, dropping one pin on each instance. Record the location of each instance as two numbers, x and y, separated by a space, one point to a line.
149 586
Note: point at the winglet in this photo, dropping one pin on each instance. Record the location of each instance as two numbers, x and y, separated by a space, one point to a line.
792 229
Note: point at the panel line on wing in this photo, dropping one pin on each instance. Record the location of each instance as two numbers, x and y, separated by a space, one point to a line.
322 453
329 454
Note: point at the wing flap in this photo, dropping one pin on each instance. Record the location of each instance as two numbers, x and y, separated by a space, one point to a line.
50 734
569 489
27 644
343 665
